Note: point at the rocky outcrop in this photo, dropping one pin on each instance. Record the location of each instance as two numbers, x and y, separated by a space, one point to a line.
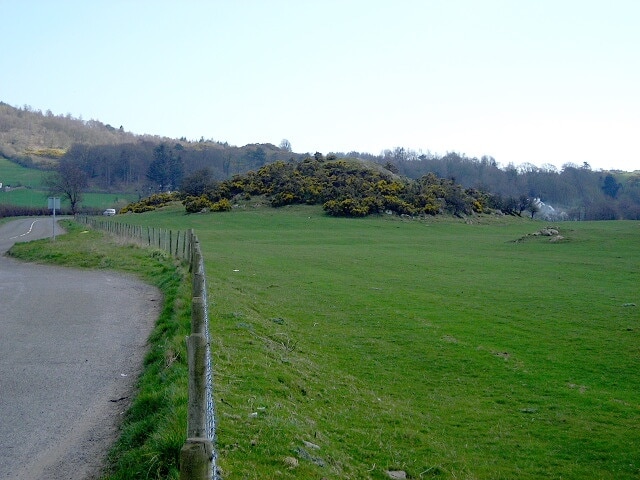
552 232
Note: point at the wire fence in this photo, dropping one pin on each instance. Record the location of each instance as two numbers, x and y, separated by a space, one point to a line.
197 457
175 242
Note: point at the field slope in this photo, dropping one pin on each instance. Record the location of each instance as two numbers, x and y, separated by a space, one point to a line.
349 348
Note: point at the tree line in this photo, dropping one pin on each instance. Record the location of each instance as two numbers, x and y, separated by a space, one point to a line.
111 159
578 190
149 167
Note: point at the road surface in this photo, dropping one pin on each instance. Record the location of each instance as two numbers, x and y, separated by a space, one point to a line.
71 348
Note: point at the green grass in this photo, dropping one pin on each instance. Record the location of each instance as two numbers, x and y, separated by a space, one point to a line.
440 348
25 197
14 174
29 197
35 196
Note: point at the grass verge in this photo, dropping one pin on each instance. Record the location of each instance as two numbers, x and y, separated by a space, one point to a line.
154 428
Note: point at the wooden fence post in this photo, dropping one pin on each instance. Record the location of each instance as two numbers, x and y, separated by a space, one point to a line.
195 459
198 323
197 406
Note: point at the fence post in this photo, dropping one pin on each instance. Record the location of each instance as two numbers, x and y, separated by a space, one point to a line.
196 455
198 316
197 412
195 459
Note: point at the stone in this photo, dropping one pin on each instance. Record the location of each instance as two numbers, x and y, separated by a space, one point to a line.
311 445
397 474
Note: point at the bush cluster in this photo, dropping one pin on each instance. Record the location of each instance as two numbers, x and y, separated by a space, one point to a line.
152 202
203 204
21 211
344 188
352 189
348 188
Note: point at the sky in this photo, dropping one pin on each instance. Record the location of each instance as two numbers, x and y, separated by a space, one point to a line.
523 81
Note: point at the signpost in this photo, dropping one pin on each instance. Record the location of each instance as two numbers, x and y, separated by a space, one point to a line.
54 203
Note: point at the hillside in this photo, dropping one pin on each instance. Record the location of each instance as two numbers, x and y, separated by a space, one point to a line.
114 159
35 137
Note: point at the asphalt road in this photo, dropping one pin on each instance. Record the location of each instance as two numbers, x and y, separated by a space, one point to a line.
71 348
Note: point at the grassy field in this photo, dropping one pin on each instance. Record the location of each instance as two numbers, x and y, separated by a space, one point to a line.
38 198
347 348
35 196
440 348
15 175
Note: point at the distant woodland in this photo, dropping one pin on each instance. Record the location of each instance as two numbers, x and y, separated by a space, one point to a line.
115 160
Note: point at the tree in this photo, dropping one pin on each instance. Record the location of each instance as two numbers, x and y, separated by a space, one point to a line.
198 183
69 181
391 167
257 158
610 186
534 207
524 203
166 168
285 145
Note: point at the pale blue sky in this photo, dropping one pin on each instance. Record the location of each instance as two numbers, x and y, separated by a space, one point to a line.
537 81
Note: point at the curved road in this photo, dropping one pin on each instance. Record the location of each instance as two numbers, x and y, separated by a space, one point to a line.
71 348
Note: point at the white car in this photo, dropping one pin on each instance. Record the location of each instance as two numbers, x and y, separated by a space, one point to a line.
109 212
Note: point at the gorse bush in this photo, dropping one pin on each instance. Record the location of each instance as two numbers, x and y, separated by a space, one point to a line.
151 203
197 204
223 205
345 188
203 204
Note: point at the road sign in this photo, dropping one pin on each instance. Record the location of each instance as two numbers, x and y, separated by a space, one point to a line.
54 203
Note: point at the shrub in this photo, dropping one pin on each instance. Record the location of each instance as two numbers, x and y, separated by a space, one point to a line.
151 203
396 204
223 205
197 204
347 207
283 198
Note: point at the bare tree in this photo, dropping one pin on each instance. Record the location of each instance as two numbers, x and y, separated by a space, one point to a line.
69 181
285 145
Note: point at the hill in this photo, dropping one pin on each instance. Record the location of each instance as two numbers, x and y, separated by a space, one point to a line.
33 137
116 160
344 187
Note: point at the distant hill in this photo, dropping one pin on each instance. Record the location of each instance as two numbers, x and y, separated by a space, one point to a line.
114 159
35 137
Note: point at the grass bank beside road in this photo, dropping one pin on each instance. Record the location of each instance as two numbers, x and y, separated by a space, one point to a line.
154 428
346 348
